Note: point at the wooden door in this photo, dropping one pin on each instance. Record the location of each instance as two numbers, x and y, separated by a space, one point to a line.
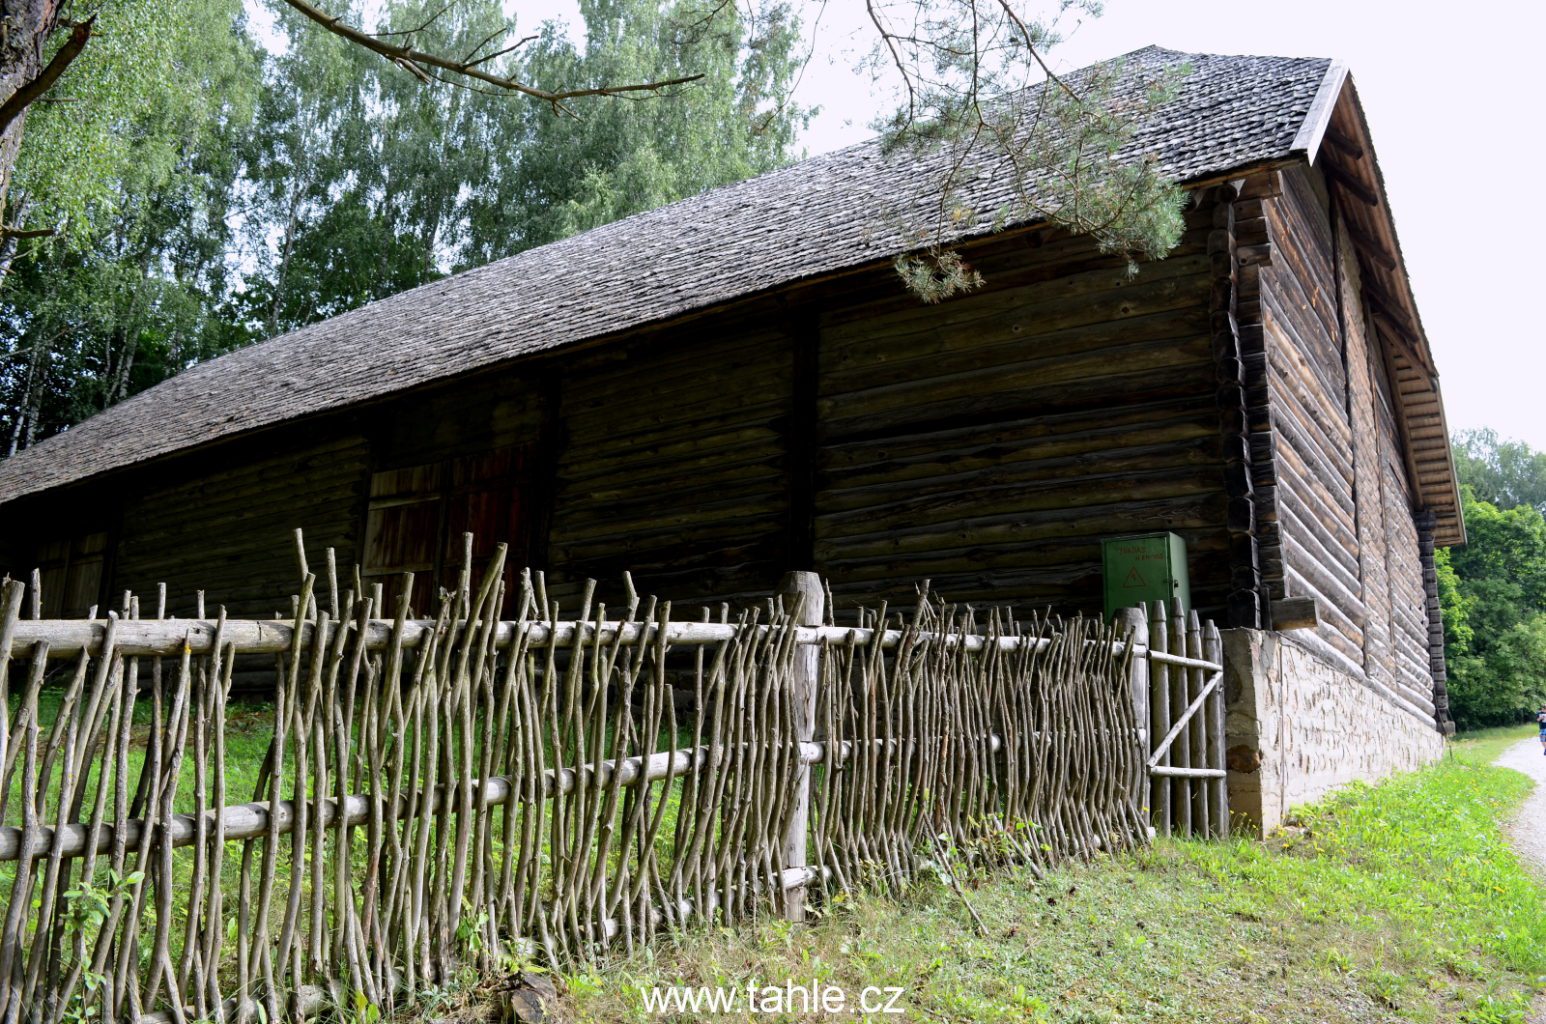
418 515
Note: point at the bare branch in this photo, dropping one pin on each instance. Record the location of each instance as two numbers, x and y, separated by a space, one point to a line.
11 231
1027 39
888 38
30 92
499 53
419 61
414 31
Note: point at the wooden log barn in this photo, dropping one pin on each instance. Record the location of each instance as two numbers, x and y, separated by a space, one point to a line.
738 384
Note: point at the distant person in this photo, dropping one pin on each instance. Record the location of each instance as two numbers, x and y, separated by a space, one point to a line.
1540 720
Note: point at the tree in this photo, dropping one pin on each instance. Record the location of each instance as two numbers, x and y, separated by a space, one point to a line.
130 64
329 178
1505 473
973 74
130 291
373 182
1493 593
571 174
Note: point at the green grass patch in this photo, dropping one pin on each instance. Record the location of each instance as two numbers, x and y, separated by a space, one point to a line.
1400 901
1484 746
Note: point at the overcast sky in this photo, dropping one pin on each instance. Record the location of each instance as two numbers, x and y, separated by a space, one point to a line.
1455 105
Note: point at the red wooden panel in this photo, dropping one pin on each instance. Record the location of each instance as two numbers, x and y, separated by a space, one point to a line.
419 515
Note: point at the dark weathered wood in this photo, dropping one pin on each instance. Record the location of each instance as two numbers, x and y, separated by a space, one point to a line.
1245 598
1295 613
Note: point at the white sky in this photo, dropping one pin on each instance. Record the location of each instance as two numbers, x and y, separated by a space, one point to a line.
1455 105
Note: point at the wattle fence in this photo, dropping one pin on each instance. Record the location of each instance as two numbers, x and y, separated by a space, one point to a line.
483 790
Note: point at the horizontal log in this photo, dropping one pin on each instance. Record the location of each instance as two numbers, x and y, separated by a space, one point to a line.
251 820
1295 613
159 637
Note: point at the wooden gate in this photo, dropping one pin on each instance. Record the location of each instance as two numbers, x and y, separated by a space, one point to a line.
1178 688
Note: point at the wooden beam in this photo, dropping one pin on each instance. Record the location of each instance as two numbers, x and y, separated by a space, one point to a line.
1347 182
1371 246
1399 335
1322 109
1403 424
1347 147
1295 613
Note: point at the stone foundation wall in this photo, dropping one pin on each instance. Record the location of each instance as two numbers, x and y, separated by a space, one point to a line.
1298 727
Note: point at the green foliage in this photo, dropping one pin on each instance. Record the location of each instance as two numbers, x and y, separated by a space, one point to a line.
1398 901
1504 473
118 124
570 174
976 83
211 191
373 181
139 174
87 905
1493 590
1456 607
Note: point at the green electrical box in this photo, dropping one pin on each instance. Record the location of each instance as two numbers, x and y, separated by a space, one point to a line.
1143 569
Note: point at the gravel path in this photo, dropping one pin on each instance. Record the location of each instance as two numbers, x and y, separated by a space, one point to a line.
1528 830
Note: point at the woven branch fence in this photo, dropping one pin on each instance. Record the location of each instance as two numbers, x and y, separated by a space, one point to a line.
475 789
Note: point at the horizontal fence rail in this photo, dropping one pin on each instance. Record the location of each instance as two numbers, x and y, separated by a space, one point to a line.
163 637
423 794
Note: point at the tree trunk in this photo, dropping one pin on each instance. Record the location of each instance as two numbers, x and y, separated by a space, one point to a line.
27 408
25 26
280 279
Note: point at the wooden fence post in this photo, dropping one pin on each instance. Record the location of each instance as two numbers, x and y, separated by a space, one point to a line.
1181 750
803 597
1213 650
1135 627
1197 731
1160 788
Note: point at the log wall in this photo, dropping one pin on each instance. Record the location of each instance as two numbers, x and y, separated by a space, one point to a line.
988 444
1340 523
673 462
228 529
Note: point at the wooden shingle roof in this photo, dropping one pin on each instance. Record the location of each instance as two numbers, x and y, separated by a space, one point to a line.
854 207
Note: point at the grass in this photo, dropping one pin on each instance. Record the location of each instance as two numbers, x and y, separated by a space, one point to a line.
1395 902
248 729
1484 746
